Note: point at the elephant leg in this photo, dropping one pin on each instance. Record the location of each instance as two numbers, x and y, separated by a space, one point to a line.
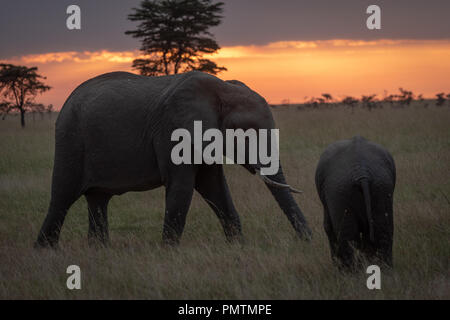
179 191
65 191
346 255
378 252
51 227
67 184
386 230
385 253
328 226
347 236
381 249
98 217
211 184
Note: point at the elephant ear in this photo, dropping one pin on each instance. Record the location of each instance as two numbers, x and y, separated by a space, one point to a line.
191 99
194 99
203 97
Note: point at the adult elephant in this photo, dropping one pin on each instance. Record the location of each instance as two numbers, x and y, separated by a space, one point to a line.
113 135
355 180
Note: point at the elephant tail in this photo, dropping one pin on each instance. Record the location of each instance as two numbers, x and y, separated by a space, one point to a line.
366 193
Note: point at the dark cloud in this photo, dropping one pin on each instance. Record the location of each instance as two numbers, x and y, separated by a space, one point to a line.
28 27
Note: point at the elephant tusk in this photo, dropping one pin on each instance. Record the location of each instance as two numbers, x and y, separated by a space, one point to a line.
272 183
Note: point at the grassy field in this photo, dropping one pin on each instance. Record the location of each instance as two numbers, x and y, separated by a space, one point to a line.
273 264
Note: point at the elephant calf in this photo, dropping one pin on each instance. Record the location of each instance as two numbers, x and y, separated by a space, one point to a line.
355 180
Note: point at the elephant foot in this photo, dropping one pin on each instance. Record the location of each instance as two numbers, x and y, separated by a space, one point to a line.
236 239
304 233
98 243
45 244
170 242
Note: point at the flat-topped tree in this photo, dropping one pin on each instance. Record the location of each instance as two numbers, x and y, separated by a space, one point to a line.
19 85
368 101
440 99
350 101
328 97
175 36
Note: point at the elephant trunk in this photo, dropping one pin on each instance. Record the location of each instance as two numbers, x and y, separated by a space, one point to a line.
282 194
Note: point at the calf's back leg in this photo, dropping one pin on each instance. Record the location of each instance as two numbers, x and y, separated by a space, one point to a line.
347 235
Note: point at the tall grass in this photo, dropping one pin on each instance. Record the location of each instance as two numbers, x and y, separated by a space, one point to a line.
272 264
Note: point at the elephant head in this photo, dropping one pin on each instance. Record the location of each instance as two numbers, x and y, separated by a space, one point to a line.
243 108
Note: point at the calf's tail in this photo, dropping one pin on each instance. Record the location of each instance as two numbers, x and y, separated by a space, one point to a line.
366 193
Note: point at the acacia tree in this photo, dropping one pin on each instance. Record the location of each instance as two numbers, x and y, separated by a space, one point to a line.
19 85
350 101
405 97
175 36
368 101
440 99
328 97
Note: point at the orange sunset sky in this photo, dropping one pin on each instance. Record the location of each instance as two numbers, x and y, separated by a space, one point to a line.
290 70
282 49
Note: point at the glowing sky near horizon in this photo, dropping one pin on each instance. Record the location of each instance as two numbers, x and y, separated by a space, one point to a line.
282 70
282 49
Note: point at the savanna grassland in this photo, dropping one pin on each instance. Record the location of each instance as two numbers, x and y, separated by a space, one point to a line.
272 264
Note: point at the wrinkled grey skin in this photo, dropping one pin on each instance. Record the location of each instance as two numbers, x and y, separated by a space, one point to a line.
355 180
113 135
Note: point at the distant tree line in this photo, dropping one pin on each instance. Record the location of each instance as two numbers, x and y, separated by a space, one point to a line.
401 100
